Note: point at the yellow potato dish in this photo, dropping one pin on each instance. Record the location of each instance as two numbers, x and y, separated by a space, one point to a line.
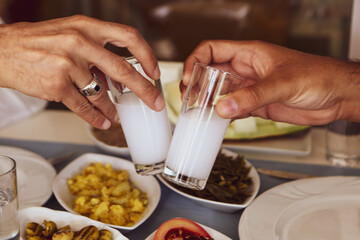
107 195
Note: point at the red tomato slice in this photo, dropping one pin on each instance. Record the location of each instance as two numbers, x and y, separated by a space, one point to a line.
180 228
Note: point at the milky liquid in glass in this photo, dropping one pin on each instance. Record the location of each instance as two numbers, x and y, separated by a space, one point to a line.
9 229
195 145
147 132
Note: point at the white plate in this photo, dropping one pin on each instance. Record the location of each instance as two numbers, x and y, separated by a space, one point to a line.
221 206
61 218
146 184
312 209
120 151
213 233
34 176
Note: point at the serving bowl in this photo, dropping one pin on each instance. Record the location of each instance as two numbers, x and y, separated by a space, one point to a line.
61 218
222 206
147 184
101 142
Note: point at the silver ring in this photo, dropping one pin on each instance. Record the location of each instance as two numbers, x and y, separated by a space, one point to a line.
93 88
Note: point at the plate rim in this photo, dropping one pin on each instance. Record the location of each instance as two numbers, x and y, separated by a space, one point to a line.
35 157
242 233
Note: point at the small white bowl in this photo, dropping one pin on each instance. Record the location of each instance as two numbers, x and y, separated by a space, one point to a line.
61 218
213 233
147 184
222 206
119 151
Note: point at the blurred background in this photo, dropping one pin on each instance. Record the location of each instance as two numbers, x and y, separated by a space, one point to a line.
173 28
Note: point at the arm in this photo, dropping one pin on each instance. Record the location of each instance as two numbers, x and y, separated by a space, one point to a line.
282 84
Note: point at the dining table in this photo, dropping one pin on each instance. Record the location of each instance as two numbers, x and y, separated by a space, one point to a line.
55 133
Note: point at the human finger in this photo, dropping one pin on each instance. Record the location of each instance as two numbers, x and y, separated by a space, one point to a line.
85 53
122 36
93 88
80 105
232 55
250 98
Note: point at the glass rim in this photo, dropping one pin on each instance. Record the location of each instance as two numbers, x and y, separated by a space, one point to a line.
219 70
11 168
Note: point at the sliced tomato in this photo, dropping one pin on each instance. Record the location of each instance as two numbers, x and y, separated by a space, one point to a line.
180 228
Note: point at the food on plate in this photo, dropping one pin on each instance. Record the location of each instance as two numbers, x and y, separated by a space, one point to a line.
229 181
113 136
107 195
49 230
247 128
181 228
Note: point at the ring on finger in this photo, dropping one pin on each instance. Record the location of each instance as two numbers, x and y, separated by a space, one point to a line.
93 88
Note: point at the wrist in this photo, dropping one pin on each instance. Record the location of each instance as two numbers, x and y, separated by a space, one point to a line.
351 92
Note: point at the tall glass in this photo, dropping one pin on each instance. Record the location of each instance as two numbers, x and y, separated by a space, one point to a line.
199 130
147 132
9 224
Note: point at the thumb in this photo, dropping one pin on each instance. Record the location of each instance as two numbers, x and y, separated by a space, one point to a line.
248 99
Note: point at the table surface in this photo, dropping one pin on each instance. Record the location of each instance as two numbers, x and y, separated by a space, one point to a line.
60 132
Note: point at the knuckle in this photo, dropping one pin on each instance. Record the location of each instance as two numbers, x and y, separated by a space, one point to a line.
122 68
79 18
254 95
73 39
83 107
133 33
58 87
148 90
62 64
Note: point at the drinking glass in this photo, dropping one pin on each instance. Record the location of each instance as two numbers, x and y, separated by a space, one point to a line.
147 132
9 224
199 130
343 143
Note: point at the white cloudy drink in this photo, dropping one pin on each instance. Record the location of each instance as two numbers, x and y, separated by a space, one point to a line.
196 142
199 130
147 133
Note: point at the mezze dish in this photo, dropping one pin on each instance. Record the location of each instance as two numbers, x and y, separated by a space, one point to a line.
107 195
119 197
183 228
233 183
38 222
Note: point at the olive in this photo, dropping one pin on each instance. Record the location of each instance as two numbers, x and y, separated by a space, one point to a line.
50 228
105 235
34 229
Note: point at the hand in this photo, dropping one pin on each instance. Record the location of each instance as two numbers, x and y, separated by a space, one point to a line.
282 84
51 60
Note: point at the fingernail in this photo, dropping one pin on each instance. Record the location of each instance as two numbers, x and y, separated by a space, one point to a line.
227 107
157 72
159 102
106 124
116 118
186 77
